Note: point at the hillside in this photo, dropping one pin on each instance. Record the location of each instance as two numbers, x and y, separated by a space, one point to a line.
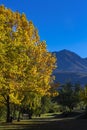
71 67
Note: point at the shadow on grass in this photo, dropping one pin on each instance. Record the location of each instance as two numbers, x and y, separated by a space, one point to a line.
67 114
50 125
56 123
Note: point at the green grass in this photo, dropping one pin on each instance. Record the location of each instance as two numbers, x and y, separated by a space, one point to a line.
46 122
48 115
22 125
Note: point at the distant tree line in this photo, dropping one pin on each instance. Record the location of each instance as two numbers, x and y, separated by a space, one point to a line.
72 96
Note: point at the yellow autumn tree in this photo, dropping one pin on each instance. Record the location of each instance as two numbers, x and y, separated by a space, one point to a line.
25 64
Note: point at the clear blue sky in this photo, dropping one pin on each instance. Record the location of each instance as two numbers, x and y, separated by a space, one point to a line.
62 23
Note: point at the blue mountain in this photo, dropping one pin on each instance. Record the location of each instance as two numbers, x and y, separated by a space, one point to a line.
70 67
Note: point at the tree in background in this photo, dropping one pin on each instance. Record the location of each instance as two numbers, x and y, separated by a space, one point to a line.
25 64
69 95
83 95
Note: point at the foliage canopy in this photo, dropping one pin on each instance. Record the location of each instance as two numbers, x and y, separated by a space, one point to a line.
25 64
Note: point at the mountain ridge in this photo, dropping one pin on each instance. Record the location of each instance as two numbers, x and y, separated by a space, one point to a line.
71 67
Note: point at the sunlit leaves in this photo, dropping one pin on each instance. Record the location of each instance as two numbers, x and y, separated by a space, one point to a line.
25 64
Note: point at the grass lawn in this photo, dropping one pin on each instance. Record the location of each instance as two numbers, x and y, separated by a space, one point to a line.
47 122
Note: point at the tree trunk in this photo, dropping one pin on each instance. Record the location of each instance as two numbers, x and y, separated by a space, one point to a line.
14 112
8 110
19 116
30 114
